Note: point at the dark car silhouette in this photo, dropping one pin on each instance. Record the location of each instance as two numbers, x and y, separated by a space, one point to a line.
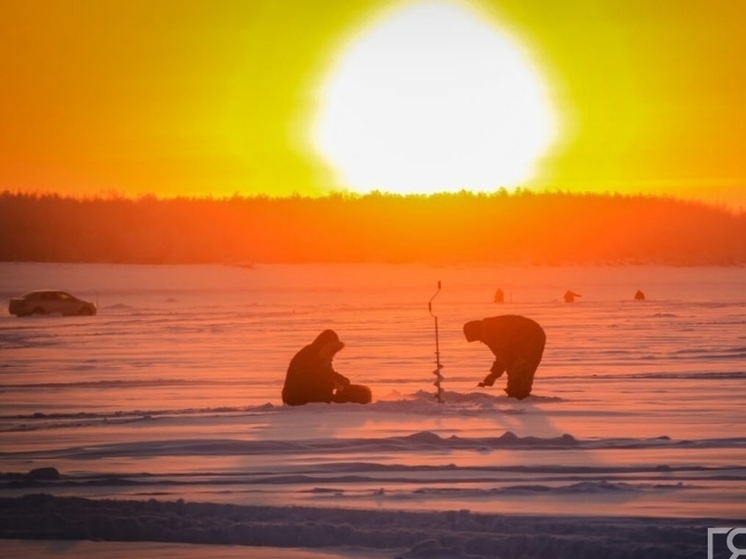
49 302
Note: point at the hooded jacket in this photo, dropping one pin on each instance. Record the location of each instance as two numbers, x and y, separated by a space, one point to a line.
517 343
510 337
310 376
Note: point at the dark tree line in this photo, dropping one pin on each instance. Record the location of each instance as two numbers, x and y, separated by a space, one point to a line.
547 228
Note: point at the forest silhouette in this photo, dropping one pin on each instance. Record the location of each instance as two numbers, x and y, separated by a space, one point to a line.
518 228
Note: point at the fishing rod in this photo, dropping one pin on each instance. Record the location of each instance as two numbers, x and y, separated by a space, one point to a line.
438 366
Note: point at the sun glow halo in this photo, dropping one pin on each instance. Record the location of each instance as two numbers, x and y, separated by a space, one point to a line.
432 98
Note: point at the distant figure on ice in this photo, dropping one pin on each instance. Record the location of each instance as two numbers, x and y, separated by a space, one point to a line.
639 296
311 378
570 296
499 296
518 345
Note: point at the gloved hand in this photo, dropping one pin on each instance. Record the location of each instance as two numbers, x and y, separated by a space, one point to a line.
496 371
341 382
489 380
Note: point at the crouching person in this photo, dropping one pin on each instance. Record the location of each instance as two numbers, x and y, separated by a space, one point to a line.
518 345
311 377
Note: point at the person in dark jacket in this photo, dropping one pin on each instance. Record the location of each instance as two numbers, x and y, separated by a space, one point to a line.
518 345
311 377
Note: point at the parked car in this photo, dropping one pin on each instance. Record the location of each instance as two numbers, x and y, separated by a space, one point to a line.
48 302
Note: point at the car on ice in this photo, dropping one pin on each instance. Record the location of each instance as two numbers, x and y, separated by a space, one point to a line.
49 302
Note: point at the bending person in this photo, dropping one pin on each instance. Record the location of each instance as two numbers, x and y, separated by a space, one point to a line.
311 377
518 345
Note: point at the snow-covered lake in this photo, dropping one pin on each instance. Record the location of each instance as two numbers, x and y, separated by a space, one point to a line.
172 393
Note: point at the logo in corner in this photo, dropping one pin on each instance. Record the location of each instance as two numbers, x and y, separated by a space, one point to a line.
719 538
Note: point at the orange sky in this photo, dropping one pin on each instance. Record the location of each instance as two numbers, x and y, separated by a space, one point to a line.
199 98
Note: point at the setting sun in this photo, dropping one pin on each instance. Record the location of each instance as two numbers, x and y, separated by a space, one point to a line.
433 97
278 99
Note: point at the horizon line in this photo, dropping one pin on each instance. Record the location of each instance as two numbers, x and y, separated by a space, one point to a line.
501 192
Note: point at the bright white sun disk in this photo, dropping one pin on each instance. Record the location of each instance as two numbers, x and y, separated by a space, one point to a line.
430 99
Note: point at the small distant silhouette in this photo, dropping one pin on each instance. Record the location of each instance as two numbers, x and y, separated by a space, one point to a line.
499 296
639 296
311 378
570 296
517 343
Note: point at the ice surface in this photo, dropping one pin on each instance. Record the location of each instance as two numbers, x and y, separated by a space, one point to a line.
633 438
